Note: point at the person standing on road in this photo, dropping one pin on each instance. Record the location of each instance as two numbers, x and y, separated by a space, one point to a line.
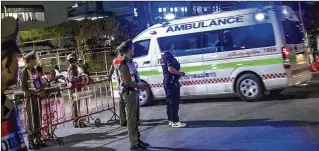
115 64
11 132
128 93
74 84
171 84
32 86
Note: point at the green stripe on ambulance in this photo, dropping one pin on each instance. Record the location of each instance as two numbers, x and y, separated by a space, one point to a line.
227 65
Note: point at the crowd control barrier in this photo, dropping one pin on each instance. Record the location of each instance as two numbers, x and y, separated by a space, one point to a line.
56 108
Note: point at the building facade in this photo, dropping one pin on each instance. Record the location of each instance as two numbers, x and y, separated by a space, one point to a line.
36 14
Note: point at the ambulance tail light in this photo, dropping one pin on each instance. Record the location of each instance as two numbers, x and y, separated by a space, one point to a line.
286 57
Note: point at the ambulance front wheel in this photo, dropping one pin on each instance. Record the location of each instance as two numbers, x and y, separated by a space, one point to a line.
249 87
145 97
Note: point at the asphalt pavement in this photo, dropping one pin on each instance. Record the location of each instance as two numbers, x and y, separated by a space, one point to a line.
287 122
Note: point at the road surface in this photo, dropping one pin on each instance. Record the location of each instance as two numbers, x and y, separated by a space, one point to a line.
287 122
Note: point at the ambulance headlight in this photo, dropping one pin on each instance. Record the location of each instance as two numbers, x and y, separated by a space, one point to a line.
260 16
170 16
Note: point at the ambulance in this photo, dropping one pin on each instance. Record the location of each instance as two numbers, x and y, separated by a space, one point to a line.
248 53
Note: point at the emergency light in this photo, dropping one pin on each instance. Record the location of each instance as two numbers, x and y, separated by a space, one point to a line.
170 16
260 16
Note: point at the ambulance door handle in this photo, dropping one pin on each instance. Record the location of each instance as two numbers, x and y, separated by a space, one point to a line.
136 65
146 62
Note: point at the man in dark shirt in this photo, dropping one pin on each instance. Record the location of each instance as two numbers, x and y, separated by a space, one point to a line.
171 84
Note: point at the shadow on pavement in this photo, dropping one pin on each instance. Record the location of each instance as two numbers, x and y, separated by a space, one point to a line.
107 135
185 149
76 138
242 123
153 120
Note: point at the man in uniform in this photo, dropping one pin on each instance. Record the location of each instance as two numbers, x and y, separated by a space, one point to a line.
33 88
171 84
74 83
128 92
11 132
115 64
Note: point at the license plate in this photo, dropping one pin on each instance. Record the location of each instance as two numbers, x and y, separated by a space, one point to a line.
300 59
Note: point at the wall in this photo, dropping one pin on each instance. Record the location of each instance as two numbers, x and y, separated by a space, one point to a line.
54 12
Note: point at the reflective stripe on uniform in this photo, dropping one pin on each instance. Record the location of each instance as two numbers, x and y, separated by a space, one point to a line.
116 63
31 79
132 69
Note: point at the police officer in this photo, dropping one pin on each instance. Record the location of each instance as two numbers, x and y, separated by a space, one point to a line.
32 86
74 84
129 94
114 67
171 84
11 132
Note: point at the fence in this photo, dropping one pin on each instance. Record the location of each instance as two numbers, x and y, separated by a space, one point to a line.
98 61
58 57
55 108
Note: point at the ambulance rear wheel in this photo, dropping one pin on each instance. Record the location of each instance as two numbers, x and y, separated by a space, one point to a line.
145 97
249 88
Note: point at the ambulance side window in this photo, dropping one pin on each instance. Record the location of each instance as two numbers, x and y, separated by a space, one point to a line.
141 48
186 44
211 42
248 37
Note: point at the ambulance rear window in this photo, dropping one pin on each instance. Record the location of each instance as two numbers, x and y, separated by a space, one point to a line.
293 32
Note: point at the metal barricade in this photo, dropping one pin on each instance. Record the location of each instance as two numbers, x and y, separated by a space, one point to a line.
56 108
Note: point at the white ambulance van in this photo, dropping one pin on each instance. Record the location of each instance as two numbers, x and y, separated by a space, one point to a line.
248 52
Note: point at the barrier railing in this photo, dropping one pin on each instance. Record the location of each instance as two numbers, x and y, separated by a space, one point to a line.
55 109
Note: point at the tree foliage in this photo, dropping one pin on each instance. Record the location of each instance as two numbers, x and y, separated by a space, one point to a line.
313 26
85 34
85 29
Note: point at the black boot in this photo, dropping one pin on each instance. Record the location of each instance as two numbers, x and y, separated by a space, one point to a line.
124 124
137 147
144 144
33 146
41 143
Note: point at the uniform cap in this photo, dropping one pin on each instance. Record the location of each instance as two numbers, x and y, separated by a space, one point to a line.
125 45
70 56
30 55
9 32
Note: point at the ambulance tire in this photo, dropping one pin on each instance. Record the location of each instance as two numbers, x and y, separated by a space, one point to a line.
252 82
145 97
